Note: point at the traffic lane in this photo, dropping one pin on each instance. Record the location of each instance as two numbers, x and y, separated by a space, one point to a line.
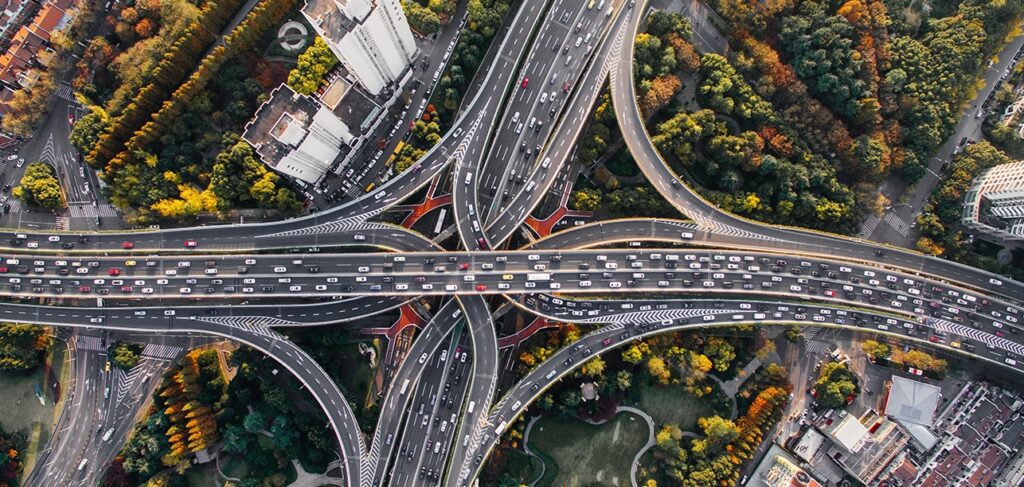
542 177
481 387
409 374
464 172
561 270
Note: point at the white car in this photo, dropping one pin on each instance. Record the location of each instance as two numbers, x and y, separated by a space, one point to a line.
185 290
280 269
250 261
615 284
147 290
295 289
54 238
33 245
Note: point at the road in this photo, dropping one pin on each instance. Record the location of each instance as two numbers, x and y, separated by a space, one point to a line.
716 271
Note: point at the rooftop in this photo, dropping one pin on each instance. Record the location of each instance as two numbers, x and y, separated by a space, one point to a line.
912 401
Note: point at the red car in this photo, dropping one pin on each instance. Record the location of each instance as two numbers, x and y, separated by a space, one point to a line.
4 269
525 81
126 289
463 266
127 245
84 289
191 244
565 87
481 287
114 272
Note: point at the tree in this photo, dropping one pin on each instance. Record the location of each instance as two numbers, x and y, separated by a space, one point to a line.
87 129
124 355
311 67
876 350
623 380
254 421
21 346
586 199
793 334
421 19
27 107
593 368
39 186
835 384
659 370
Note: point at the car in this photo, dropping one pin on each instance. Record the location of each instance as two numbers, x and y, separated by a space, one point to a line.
524 83
114 272
127 245
33 245
191 244
481 287
565 87
53 238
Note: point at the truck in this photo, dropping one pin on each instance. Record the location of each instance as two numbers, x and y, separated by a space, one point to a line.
540 276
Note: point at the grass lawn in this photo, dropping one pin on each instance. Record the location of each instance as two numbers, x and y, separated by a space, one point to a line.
522 466
672 405
589 454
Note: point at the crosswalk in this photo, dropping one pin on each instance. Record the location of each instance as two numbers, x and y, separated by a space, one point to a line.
815 347
63 223
869 225
897 223
90 343
89 211
161 351
64 92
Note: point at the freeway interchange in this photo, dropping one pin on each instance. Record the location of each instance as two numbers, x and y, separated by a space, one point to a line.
440 416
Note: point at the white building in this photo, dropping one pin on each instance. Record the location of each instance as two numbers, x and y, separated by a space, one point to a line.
297 136
994 204
371 38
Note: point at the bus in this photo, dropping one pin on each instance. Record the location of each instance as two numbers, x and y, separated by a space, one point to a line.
538 277
405 387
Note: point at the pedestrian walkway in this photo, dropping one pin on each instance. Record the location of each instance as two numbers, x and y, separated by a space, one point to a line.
870 223
64 92
897 223
89 211
90 343
161 351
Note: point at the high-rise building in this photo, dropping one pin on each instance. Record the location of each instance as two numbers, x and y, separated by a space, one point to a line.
994 205
371 38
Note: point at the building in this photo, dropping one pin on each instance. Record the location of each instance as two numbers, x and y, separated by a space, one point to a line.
864 447
780 469
297 136
912 404
28 48
994 205
371 38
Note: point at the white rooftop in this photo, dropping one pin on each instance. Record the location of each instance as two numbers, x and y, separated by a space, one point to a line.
911 401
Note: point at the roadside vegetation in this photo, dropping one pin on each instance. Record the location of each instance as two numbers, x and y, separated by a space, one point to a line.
168 93
668 376
257 422
817 103
39 187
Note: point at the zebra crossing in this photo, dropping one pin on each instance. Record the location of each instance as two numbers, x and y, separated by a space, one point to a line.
897 223
62 223
815 347
64 92
161 351
870 223
90 343
89 211
15 204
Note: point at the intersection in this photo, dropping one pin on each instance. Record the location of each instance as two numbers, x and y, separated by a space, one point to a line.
633 277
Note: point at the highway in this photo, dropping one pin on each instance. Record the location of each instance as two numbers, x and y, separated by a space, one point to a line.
439 418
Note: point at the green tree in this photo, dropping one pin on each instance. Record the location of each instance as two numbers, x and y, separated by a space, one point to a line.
311 67
39 186
21 346
586 199
876 350
124 355
835 384
421 19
